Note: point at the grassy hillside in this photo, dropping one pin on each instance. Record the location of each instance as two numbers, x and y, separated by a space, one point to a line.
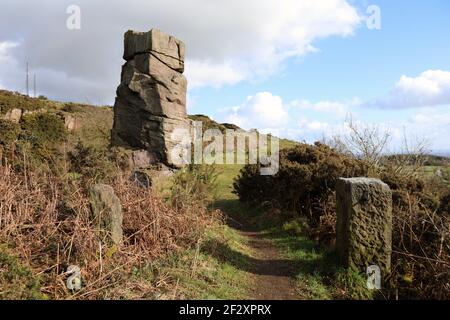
188 238
46 173
13 100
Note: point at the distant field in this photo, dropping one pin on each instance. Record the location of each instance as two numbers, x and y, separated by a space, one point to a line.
440 172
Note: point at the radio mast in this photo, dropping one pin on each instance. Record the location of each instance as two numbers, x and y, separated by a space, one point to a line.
34 84
28 88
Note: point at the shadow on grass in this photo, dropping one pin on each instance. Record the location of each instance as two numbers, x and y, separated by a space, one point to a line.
244 262
241 216
315 269
301 257
309 260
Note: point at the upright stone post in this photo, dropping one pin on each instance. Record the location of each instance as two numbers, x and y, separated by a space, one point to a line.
364 224
151 98
107 211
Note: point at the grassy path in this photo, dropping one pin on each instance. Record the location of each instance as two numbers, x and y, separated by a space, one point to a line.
257 255
272 276
282 262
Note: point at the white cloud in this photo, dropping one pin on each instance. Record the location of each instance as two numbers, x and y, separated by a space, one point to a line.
262 110
302 120
276 31
226 43
5 49
203 73
432 118
432 126
298 119
333 107
311 130
431 88
308 126
7 64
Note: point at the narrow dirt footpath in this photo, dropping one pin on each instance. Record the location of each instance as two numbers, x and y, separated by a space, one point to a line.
273 276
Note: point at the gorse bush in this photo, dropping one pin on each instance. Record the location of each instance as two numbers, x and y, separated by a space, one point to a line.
306 178
9 132
17 280
195 184
91 163
43 129
38 138
14 100
305 185
41 137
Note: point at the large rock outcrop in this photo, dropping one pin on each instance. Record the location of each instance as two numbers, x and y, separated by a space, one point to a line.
364 223
151 99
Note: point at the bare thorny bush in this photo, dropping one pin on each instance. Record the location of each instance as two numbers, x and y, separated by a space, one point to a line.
421 251
370 143
421 225
47 222
367 142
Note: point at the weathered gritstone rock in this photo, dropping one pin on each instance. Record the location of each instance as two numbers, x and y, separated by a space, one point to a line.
71 123
364 223
107 211
16 115
151 99
13 115
166 48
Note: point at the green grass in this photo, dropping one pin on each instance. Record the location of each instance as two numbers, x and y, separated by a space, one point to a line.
433 169
218 267
228 172
318 276
438 172
95 125
208 271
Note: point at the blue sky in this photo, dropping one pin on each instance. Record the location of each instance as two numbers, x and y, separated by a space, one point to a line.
300 68
365 65
412 39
